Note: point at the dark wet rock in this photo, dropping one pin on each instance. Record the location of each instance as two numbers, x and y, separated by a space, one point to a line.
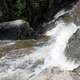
76 73
18 29
73 48
77 70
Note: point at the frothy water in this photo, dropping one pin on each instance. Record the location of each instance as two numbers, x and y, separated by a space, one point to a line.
6 43
28 67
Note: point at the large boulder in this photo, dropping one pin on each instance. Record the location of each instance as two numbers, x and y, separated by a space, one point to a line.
72 50
18 29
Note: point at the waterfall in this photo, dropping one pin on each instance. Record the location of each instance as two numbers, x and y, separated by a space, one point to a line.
28 67
51 54
56 50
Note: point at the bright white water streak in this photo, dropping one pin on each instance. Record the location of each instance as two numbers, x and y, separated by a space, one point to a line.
52 54
5 43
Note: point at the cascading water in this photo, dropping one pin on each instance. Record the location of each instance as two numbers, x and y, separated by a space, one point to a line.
28 67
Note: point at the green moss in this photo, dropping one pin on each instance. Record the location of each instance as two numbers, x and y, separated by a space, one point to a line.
24 43
67 18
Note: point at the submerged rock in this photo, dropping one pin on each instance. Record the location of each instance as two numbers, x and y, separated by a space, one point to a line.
73 48
18 29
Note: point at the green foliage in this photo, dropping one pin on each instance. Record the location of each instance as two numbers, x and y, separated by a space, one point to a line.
20 6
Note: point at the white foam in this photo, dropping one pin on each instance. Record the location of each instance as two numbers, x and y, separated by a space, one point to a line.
17 22
6 43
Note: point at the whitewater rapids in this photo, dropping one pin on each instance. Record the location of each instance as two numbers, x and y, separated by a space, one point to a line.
28 67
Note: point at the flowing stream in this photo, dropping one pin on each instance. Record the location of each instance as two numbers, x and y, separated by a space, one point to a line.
51 54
